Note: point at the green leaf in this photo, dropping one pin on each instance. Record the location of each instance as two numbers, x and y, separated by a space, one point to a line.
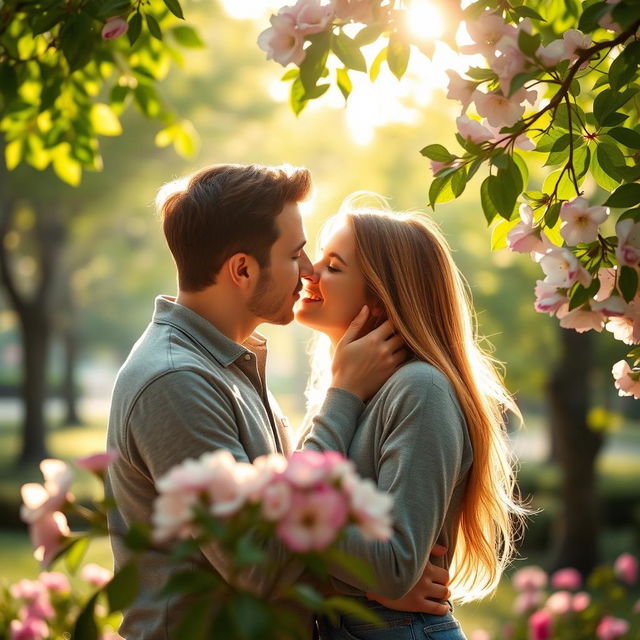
376 64
628 137
527 12
77 40
75 554
252 616
602 178
581 162
519 80
315 60
591 15
175 8
621 72
504 191
437 191
342 604
565 188
625 14
13 153
614 119
344 82
348 52
357 567
438 153
552 214
187 37
522 166
488 208
316 92
609 159
499 234
135 27
85 627
528 43
628 283
398 52
154 27
196 621
122 589
369 34
47 21
480 74
113 8
626 195
609 101
562 113
290 74
296 99
104 120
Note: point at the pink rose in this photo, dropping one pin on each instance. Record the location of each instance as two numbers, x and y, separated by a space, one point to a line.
529 578
39 500
95 574
98 462
559 603
114 27
29 629
581 601
527 601
47 536
282 41
626 568
55 581
540 625
498 110
314 519
611 628
568 578
626 379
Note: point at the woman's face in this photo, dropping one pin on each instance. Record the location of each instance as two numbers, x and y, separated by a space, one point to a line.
334 294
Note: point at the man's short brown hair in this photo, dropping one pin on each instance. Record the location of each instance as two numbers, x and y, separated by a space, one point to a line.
226 209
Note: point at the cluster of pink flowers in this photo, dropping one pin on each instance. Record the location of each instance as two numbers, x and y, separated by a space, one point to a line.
308 498
43 504
38 601
544 611
284 41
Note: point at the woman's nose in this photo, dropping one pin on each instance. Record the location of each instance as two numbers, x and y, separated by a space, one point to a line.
313 275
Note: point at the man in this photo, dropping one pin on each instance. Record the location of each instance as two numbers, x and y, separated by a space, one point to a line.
195 380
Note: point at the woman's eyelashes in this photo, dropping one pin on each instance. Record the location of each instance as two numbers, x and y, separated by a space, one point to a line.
332 269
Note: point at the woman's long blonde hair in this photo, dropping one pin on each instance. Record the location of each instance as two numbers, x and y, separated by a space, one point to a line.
408 269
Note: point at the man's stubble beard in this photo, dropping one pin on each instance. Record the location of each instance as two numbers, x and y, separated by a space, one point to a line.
264 305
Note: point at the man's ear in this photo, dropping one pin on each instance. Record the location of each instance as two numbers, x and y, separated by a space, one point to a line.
243 270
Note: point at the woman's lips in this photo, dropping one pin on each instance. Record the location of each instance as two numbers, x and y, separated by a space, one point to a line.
308 296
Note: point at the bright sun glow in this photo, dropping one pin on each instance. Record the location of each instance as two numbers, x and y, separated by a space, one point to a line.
425 20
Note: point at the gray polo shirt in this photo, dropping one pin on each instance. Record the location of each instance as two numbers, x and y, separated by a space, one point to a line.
186 389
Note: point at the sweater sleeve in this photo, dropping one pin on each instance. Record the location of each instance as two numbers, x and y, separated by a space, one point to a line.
419 464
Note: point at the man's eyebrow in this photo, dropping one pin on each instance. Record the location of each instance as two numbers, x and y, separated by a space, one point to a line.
333 254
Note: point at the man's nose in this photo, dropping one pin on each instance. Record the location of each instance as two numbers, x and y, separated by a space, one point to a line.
306 268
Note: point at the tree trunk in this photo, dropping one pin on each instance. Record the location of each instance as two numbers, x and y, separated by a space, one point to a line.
577 448
70 388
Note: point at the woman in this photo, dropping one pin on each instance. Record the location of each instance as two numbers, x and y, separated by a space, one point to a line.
433 436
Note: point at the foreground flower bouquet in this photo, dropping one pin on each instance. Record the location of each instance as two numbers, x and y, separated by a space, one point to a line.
278 522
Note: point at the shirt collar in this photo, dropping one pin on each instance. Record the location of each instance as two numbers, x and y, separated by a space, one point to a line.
220 346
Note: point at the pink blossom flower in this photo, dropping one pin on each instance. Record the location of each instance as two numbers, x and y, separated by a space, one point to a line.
47 536
38 500
552 53
114 27
540 625
310 16
509 63
173 515
28 629
338 467
480 634
314 519
282 41
55 581
607 22
472 130
460 89
503 139
636 607
548 299
306 468
98 462
486 31
628 249
524 237
436 166
356 10
498 110
580 221
607 278
575 41
626 568
559 603
568 578
611 628
562 269
36 597
529 578
626 379
27 589
370 508
581 319
276 500
528 600
612 307
581 601
95 574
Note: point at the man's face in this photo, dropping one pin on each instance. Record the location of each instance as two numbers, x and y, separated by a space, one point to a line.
279 284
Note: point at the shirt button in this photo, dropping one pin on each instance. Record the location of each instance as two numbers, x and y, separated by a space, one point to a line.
247 356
